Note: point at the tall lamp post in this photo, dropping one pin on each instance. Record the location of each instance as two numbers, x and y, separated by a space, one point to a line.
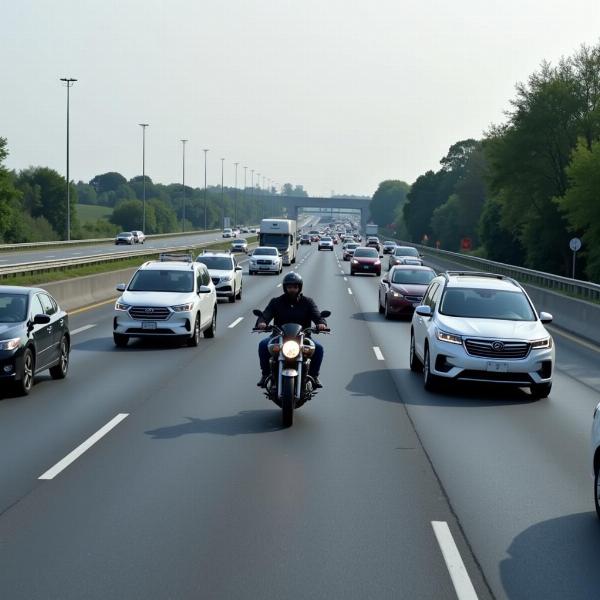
222 193
236 195
68 81
205 153
143 126
183 142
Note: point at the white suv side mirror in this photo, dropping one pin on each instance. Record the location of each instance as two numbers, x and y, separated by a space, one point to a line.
423 311
546 318
121 287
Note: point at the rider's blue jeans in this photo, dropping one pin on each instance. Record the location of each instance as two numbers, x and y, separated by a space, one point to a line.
315 363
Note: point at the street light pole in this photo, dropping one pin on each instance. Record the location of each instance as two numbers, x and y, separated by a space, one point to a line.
143 126
222 194
69 81
205 153
236 195
183 142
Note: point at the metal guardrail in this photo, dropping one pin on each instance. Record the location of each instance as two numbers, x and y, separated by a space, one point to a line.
564 285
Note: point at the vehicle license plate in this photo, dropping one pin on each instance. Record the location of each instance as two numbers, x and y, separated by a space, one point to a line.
149 325
497 367
367 266
264 267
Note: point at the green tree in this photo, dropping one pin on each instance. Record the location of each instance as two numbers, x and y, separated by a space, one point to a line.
389 197
128 215
108 182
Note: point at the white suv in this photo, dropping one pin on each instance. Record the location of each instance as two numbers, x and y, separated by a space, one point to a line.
265 259
174 298
225 274
481 327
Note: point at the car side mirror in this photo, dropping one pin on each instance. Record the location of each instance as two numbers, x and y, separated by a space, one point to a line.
204 289
121 287
325 314
423 311
238 268
385 280
41 319
546 318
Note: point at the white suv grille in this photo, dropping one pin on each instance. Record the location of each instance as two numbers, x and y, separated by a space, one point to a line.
153 313
496 348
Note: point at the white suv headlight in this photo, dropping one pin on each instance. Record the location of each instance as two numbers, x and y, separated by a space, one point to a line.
544 343
443 336
121 306
183 307
10 344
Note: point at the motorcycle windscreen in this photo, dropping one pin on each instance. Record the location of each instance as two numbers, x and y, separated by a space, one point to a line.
291 330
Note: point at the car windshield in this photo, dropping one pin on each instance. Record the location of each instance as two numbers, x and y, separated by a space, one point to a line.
163 280
389 243
265 252
351 246
325 239
406 251
366 252
218 263
126 233
13 308
486 304
412 276
238 243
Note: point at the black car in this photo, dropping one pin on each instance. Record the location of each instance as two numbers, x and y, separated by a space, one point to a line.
305 239
34 336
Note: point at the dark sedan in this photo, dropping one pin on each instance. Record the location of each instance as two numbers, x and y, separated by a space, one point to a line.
305 239
34 336
365 260
402 289
405 255
373 242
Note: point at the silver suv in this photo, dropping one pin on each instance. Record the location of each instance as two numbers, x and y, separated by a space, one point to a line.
481 327
225 274
174 298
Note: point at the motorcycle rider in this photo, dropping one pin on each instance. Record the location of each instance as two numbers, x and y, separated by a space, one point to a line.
291 307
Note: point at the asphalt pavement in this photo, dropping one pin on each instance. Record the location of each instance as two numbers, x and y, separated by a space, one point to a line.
188 487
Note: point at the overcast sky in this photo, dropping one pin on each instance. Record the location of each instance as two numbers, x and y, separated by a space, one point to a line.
336 95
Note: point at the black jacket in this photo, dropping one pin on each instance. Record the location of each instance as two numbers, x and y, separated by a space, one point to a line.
282 311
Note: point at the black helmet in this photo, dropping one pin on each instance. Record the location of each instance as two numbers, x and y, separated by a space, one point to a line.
293 279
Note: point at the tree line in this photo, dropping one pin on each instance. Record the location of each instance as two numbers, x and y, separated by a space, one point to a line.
526 188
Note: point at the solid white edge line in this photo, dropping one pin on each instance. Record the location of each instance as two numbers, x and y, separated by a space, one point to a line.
378 353
350 291
81 329
458 572
236 322
75 454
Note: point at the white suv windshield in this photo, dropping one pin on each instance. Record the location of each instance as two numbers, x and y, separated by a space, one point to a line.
218 263
486 304
162 281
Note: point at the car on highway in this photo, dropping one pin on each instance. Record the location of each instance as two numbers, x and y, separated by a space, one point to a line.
138 236
240 245
125 237
348 250
365 260
481 327
389 246
305 239
325 243
265 259
402 289
34 337
228 233
373 242
596 457
225 273
405 255
171 297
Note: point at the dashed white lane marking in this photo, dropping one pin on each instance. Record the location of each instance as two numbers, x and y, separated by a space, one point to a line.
345 279
458 572
342 271
75 454
50 256
236 322
378 353
350 291
279 285
80 329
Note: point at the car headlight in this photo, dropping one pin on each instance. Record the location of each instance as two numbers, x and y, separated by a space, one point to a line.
10 344
121 306
183 307
291 349
544 343
354 261
377 263
448 337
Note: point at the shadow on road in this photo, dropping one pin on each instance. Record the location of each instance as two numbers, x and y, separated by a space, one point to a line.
106 344
554 560
245 422
410 385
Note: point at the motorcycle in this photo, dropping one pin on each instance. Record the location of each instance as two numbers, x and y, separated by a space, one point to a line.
289 385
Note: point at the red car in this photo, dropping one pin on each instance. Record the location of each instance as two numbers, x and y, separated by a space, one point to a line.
402 289
365 260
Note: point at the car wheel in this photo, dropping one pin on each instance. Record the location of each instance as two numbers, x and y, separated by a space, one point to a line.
415 363
239 294
597 488
386 310
24 385
59 371
540 390
212 330
430 382
232 297
194 340
379 306
120 340
250 272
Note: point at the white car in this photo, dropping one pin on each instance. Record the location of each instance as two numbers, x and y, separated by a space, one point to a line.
170 298
265 259
325 243
481 327
596 457
139 236
229 233
225 273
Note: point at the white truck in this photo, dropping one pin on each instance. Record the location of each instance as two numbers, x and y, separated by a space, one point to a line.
371 229
282 234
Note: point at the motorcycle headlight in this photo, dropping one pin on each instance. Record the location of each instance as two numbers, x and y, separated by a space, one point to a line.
544 343
448 337
121 306
183 307
10 344
291 349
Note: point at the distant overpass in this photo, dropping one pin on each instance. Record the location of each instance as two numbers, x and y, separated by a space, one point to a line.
292 205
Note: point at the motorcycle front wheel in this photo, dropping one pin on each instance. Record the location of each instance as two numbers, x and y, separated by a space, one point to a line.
287 401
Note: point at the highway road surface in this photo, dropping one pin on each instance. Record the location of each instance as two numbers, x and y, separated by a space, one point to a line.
160 471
